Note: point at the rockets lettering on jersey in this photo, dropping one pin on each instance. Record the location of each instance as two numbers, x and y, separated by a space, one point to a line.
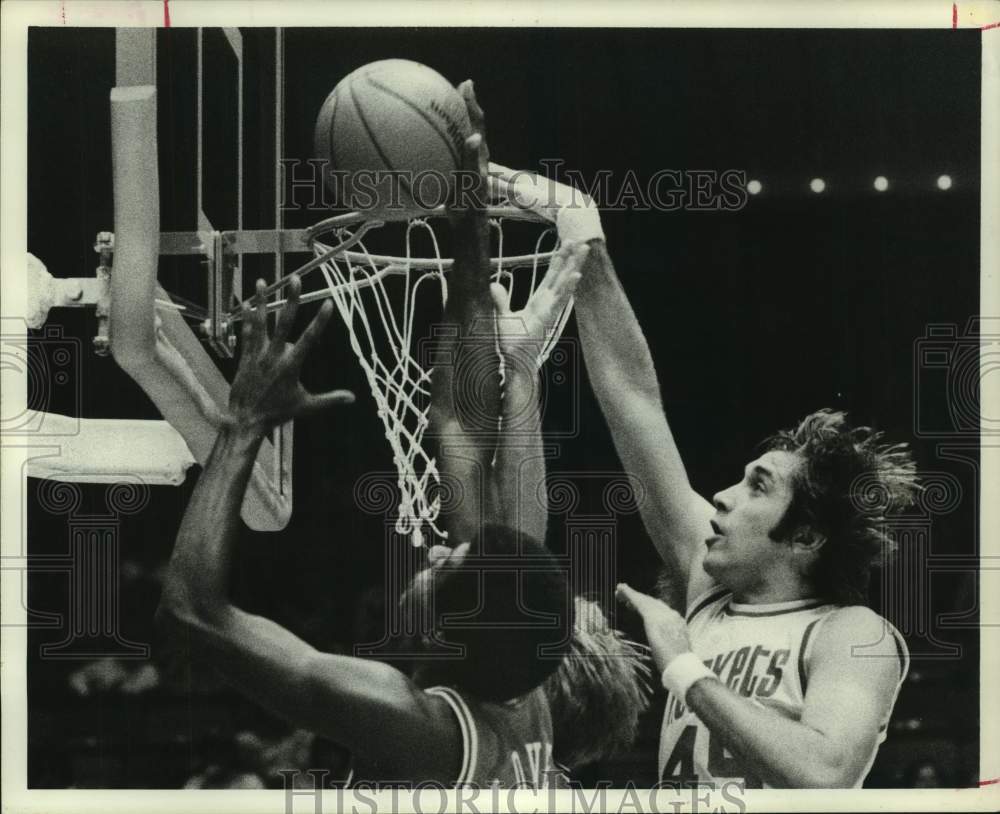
760 652
751 670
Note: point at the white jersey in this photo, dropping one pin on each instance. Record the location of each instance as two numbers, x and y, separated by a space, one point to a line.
761 652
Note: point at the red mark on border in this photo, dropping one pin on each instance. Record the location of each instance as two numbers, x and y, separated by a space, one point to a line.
995 779
954 24
166 13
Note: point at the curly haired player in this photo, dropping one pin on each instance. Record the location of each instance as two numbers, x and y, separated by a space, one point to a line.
778 674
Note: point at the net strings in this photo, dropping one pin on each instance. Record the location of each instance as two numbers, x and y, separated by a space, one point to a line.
381 337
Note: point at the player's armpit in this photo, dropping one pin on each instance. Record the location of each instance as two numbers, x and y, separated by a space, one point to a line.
851 680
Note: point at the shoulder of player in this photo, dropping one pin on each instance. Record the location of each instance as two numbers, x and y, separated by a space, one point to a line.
427 744
418 733
450 723
850 629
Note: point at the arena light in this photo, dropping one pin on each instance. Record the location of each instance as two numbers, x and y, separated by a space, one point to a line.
754 186
817 185
944 182
881 183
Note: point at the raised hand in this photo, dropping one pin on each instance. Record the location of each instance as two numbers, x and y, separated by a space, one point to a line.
469 283
267 390
478 120
666 630
536 322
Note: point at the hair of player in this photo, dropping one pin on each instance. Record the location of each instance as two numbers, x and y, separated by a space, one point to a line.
518 635
599 691
846 485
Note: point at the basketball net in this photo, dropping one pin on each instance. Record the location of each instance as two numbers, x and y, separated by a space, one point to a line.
380 323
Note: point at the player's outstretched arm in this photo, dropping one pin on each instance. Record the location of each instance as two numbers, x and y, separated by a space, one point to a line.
465 386
624 379
343 698
522 335
851 679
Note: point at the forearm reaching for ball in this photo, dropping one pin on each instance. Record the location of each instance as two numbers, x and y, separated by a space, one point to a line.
465 385
520 458
502 475
266 391
624 379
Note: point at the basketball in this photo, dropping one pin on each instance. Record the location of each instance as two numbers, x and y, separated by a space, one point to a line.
391 133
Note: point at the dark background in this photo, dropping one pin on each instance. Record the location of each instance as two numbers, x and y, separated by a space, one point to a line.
755 317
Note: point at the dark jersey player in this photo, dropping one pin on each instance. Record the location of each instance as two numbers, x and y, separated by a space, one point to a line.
473 710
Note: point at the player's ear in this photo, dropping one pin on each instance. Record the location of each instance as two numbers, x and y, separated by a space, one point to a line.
807 540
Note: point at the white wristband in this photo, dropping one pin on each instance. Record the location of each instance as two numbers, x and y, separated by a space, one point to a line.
574 213
683 671
579 223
